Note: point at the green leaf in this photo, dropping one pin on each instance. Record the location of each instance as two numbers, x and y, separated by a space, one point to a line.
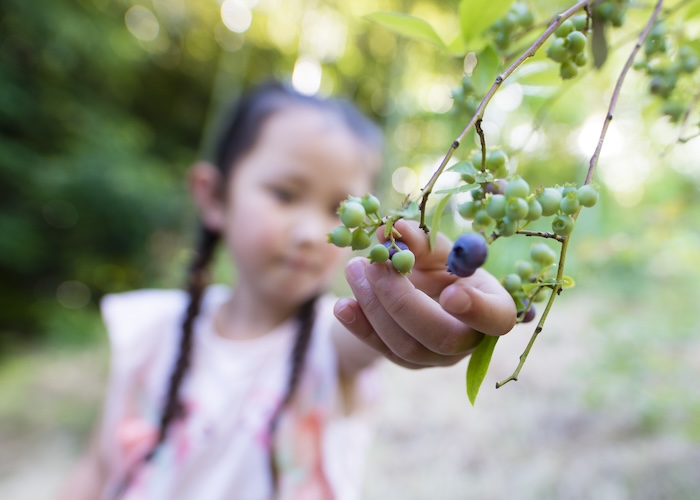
693 10
409 212
464 167
482 177
407 25
479 365
457 47
528 287
599 43
459 189
437 217
486 70
475 16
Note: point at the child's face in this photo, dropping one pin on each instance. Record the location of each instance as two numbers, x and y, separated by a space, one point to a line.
282 199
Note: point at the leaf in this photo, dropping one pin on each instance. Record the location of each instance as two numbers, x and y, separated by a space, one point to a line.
407 25
409 212
567 282
459 189
693 10
457 47
475 16
528 287
599 44
482 177
437 217
479 365
486 70
464 167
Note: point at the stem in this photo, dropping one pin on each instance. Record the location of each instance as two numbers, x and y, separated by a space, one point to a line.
479 114
482 140
618 86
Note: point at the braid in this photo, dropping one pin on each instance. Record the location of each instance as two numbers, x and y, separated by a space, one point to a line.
197 281
298 357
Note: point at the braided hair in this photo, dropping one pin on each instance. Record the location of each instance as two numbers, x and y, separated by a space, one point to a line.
238 133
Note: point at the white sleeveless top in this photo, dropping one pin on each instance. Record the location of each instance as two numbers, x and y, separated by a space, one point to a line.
220 449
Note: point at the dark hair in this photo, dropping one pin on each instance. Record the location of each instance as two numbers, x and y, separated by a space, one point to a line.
238 133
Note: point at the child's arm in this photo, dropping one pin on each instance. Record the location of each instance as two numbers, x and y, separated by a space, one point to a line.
430 319
86 479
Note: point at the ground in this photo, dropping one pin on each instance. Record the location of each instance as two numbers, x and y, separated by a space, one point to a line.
576 425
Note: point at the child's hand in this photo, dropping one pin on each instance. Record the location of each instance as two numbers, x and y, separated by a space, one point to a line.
430 317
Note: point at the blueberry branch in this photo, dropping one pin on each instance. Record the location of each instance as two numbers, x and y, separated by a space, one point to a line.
479 114
593 162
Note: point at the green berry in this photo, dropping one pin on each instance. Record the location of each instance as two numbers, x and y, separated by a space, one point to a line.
540 296
577 42
378 253
549 200
496 206
587 195
506 226
360 239
568 70
579 21
370 203
495 159
563 225
517 188
477 193
403 261
524 269
542 254
482 218
500 172
513 283
569 203
557 51
564 28
340 237
534 210
516 208
468 209
581 59
352 213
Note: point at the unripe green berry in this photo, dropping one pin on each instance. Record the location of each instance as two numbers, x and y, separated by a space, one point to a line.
517 188
513 283
477 193
587 195
506 226
581 59
557 51
482 218
468 209
516 208
577 42
568 70
403 261
360 239
371 203
542 254
534 210
579 21
549 200
378 253
352 213
340 236
500 172
605 10
564 28
562 225
495 159
569 204
524 269
496 206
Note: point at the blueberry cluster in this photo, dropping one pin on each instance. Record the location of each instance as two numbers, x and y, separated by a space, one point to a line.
665 65
611 11
357 215
464 98
402 259
569 46
519 16
505 206
533 274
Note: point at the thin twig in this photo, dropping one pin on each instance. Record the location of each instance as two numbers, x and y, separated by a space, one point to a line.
482 140
618 86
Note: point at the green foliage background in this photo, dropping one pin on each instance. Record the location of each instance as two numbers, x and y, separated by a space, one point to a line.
98 128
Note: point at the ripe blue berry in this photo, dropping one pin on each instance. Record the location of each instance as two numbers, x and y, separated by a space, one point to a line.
528 313
403 261
340 236
469 252
392 248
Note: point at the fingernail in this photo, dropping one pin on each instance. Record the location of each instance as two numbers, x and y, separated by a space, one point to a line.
355 270
458 302
375 272
345 313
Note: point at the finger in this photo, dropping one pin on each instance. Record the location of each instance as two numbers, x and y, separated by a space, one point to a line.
481 302
397 303
389 331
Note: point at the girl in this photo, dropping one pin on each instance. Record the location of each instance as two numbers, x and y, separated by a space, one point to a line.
260 391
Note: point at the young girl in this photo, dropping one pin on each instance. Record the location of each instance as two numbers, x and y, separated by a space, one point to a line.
260 391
